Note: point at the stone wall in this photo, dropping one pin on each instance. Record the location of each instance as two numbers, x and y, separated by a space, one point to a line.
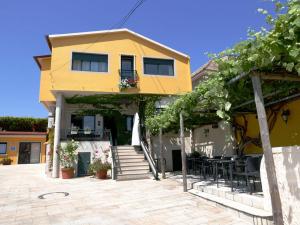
287 166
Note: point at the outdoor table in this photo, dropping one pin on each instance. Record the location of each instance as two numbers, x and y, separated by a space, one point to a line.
222 162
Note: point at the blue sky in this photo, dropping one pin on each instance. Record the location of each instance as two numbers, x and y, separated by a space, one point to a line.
191 26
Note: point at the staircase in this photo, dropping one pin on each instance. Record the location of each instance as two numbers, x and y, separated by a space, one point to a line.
130 163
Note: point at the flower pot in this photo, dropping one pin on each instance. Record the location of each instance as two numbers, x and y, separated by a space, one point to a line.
102 174
67 173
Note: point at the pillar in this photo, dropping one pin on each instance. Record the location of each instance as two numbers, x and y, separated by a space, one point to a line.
58 108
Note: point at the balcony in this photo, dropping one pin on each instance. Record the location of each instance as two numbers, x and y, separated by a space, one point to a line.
128 79
87 135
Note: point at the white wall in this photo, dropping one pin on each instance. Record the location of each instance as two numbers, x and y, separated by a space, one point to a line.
287 166
171 141
214 141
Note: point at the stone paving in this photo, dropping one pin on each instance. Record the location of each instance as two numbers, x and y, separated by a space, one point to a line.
92 201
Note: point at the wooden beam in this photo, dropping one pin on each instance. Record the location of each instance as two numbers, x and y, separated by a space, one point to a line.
161 153
279 76
183 154
269 160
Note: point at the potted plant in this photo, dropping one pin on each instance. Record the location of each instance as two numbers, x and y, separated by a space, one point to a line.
6 161
127 83
100 168
67 157
87 130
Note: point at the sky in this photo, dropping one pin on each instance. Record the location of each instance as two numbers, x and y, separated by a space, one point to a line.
194 27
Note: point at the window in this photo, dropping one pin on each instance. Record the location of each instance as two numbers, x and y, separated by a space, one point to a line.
89 62
3 148
159 66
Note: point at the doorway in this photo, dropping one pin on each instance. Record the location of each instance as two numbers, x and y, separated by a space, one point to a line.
84 160
29 152
176 159
110 124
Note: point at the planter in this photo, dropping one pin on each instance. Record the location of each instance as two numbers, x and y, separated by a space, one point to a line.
67 173
102 174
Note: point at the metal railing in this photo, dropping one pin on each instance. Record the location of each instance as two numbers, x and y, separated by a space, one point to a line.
112 153
128 74
152 163
86 135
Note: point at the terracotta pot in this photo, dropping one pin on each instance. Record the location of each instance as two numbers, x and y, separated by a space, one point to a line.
102 174
67 173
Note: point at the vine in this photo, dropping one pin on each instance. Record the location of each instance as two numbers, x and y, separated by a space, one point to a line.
276 50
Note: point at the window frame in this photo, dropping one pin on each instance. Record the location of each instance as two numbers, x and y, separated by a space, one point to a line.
93 72
5 148
159 75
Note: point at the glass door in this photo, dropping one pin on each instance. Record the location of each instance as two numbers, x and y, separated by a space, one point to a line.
35 152
127 67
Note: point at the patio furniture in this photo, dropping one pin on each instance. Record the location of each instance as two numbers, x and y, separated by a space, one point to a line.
249 169
223 168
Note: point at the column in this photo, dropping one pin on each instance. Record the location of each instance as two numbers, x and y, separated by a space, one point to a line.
55 171
48 145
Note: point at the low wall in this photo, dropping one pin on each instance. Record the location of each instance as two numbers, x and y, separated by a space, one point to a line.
287 166
92 147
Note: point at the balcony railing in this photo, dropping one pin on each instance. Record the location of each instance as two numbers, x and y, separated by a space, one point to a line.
128 74
128 79
87 135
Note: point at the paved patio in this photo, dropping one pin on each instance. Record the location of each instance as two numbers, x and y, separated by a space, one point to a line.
92 201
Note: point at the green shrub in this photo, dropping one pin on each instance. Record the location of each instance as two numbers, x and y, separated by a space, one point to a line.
23 124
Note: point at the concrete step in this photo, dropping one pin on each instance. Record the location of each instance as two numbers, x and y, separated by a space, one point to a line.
252 215
129 172
133 167
125 147
133 163
128 152
126 160
129 157
134 177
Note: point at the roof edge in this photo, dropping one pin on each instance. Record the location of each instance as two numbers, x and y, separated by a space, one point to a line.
37 57
51 36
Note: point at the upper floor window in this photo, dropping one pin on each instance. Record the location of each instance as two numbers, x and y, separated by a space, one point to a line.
3 146
89 62
154 66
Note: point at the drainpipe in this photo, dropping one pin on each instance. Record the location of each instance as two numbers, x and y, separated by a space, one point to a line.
55 171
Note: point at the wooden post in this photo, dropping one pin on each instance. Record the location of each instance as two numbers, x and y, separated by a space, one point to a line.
183 154
162 161
269 160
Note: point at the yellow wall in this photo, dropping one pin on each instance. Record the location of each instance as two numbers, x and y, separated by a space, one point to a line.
45 81
114 44
282 134
14 141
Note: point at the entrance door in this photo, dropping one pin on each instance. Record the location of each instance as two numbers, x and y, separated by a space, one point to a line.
176 158
29 152
127 67
84 160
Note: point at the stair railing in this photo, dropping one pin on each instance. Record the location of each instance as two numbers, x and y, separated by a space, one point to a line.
150 160
112 153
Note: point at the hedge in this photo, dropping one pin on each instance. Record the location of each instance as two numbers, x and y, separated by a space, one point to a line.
23 124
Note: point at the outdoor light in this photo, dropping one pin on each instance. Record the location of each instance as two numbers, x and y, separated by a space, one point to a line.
285 115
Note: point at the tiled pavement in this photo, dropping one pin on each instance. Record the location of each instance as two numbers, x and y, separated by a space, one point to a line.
92 201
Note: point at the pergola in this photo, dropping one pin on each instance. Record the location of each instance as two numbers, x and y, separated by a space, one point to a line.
256 77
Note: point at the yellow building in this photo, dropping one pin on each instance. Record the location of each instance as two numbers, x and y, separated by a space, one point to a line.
23 147
284 128
101 65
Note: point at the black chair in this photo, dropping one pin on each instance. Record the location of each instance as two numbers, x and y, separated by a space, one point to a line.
249 169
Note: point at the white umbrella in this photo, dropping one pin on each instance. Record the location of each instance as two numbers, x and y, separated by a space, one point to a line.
135 139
